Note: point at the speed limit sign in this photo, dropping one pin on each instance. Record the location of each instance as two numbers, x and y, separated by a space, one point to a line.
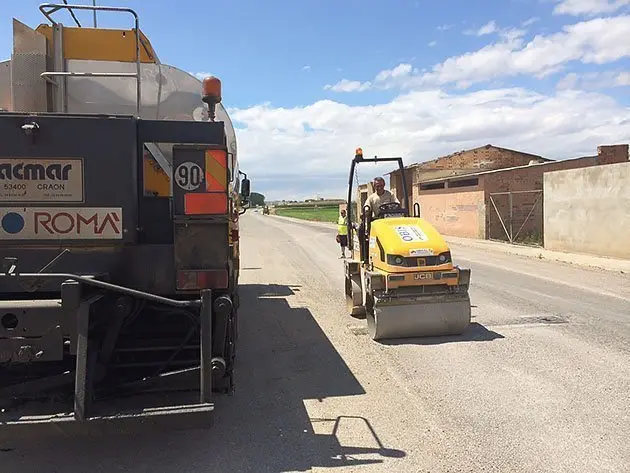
189 176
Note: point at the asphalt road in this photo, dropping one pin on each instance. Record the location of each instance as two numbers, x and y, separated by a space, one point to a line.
540 383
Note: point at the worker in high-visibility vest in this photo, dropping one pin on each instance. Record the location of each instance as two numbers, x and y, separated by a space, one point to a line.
342 233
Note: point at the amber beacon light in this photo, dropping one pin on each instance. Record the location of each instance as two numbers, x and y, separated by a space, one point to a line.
211 94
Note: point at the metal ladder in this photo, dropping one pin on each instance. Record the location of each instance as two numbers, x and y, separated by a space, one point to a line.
47 10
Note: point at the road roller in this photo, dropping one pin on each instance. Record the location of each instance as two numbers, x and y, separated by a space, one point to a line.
400 276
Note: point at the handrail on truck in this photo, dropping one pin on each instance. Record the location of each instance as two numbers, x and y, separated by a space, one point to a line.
48 9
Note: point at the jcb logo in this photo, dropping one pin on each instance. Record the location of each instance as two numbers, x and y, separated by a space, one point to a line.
423 276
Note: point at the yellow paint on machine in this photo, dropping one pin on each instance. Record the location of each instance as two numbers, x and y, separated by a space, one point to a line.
101 44
428 278
404 235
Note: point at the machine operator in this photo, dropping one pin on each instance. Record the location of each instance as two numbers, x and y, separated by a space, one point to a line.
380 196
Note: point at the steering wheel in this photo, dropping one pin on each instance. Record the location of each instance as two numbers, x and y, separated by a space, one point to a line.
389 206
391 209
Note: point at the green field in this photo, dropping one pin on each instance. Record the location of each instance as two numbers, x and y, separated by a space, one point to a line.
320 214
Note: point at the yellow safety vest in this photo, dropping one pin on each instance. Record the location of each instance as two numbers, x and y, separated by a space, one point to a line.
342 229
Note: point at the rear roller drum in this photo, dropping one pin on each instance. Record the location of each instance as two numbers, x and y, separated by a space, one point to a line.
354 297
371 317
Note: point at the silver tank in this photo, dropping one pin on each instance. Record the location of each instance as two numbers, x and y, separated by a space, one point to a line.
166 92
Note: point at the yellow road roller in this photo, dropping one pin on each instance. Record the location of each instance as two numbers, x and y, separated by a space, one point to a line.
400 275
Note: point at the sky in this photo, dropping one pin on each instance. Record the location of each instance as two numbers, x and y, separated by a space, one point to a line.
306 82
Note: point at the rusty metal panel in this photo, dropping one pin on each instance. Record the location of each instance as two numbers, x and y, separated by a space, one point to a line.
29 60
201 245
5 85
36 333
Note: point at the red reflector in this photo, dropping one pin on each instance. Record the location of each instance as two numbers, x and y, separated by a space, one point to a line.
202 279
205 204
234 235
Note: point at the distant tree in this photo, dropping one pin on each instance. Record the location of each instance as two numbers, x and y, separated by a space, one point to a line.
256 198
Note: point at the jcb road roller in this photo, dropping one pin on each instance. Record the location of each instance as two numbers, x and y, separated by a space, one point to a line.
401 275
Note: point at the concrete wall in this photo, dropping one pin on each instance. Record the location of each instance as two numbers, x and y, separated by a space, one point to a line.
396 188
360 197
527 215
459 214
588 210
525 220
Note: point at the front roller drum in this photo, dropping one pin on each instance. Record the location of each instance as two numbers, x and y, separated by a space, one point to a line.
415 318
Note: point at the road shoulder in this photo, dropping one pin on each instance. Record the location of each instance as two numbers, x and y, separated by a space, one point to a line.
581 260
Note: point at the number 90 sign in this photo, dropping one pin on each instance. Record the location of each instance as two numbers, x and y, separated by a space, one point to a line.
189 176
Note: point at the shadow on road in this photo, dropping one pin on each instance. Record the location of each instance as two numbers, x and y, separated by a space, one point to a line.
475 333
283 359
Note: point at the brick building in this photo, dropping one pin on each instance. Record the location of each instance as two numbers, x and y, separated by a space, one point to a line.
490 192
484 158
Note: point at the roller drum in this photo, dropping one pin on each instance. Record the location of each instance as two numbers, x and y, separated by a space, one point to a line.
410 318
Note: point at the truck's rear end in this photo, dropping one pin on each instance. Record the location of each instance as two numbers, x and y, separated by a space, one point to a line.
115 303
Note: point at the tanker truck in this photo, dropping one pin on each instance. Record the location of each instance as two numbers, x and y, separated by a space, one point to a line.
120 197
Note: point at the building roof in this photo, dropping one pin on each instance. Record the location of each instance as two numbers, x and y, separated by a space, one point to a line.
494 171
457 153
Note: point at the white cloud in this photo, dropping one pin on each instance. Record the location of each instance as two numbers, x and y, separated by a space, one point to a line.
284 160
530 21
444 27
300 152
594 80
202 75
400 71
488 28
432 44
596 41
345 85
623 79
306 68
588 7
